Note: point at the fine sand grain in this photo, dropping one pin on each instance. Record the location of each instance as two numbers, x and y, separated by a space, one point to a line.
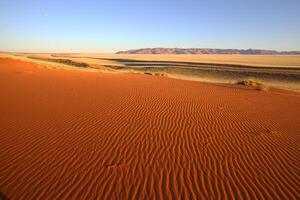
79 135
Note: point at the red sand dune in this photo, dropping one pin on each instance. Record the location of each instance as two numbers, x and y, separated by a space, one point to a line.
81 135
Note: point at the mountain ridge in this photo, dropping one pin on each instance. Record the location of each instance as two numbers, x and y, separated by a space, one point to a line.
207 51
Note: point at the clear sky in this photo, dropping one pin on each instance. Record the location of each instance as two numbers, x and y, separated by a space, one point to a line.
112 25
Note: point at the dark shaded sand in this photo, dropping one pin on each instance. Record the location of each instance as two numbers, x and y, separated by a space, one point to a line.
81 135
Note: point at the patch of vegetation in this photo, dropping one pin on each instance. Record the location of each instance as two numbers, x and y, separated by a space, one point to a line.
155 73
254 83
160 74
61 61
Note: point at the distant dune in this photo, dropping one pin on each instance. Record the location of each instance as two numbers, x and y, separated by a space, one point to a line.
90 135
207 51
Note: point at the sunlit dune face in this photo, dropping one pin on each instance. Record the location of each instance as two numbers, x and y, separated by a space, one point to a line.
74 134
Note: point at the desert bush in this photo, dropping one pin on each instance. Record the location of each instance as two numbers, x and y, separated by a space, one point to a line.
255 83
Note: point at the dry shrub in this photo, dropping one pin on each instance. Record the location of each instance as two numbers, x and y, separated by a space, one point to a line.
254 83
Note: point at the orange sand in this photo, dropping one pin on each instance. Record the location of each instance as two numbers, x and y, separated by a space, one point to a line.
81 135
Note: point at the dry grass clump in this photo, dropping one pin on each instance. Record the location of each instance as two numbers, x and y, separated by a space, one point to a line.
61 61
160 74
156 73
148 73
254 83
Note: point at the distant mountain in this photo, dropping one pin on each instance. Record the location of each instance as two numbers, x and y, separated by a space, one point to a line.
207 51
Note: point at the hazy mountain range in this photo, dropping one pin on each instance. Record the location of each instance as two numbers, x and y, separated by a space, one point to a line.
207 51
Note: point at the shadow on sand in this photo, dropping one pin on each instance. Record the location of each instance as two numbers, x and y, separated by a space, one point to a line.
3 196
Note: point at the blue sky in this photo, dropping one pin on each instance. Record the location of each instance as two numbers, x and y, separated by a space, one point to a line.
112 25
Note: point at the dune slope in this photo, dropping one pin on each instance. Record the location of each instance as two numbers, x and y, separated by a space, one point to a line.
81 135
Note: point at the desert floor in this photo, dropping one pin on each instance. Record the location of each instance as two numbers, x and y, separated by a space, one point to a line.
91 135
272 70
